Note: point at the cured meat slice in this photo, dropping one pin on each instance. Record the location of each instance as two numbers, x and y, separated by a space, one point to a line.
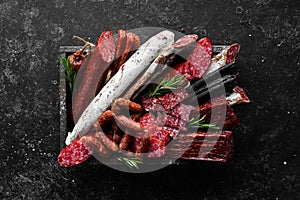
147 119
172 131
157 148
151 104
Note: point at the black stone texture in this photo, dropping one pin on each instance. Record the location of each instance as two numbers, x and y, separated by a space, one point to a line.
266 164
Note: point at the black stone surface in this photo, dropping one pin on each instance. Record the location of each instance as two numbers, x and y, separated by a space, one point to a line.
266 164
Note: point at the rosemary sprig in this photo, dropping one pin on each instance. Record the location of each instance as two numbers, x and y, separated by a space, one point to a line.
199 122
165 86
70 74
131 162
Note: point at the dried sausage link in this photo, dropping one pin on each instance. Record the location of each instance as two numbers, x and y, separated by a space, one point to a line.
132 106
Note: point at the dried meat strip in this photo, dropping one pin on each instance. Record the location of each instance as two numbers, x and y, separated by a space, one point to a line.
121 43
193 142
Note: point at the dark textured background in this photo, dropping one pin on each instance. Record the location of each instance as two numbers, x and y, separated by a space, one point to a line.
267 156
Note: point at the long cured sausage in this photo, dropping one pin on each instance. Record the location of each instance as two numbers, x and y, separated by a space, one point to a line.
128 72
101 58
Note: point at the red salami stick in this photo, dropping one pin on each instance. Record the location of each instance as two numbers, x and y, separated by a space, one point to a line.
198 61
232 51
101 58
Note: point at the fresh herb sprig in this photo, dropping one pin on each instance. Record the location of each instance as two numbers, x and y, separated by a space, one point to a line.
165 86
132 163
70 74
199 122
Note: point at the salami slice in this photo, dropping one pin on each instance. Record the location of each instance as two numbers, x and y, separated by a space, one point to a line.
75 153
